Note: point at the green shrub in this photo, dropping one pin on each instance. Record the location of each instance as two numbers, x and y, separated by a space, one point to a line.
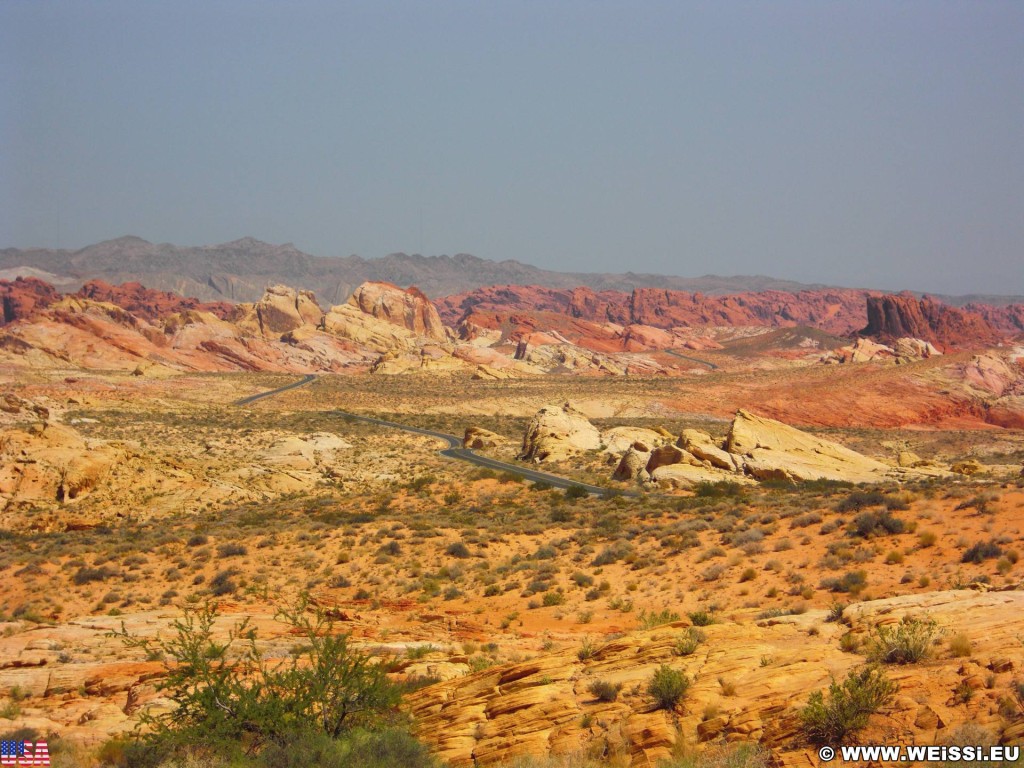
688 641
701 618
602 690
457 550
227 697
868 524
907 642
657 618
667 686
848 706
982 551
232 550
576 492
859 500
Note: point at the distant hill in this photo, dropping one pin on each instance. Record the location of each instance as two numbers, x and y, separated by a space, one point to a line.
241 269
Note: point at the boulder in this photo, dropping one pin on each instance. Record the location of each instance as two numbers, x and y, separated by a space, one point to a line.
701 445
769 449
909 348
685 476
478 437
666 455
633 465
618 439
284 309
556 432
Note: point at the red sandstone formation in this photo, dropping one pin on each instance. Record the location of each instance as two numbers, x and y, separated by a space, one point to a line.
835 311
148 303
21 297
893 317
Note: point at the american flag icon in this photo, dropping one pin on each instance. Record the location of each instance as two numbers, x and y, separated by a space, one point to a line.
22 753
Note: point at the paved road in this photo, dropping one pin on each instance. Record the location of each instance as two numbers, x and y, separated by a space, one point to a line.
710 365
307 379
454 449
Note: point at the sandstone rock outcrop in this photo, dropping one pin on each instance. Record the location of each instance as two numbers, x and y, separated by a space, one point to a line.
892 317
761 449
20 297
772 450
478 437
408 309
543 706
283 309
836 311
701 445
150 304
556 432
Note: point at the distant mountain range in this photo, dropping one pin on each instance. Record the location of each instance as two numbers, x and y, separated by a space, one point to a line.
242 269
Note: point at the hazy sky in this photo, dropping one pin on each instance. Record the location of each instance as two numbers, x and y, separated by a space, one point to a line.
861 143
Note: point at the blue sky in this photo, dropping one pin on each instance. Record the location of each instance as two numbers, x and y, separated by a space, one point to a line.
876 144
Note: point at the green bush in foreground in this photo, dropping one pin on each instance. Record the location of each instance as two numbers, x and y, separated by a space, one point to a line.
231 703
848 706
908 642
668 686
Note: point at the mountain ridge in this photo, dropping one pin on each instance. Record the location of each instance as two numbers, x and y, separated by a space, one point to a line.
241 269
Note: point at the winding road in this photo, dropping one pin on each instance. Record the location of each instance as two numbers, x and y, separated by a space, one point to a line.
454 449
709 364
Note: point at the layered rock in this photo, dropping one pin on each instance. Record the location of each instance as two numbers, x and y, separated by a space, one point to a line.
771 450
21 297
544 706
282 309
148 303
408 309
756 448
891 317
557 432
836 311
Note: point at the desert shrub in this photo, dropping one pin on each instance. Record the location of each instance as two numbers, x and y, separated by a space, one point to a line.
612 554
232 550
198 540
735 755
358 749
804 520
859 500
667 686
907 642
713 572
227 697
927 539
869 524
960 645
576 492
602 690
553 598
391 549
850 582
983 550
725 489
587 650
223 583
701 617
688 642
458 550
86 575
657 618
848 706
